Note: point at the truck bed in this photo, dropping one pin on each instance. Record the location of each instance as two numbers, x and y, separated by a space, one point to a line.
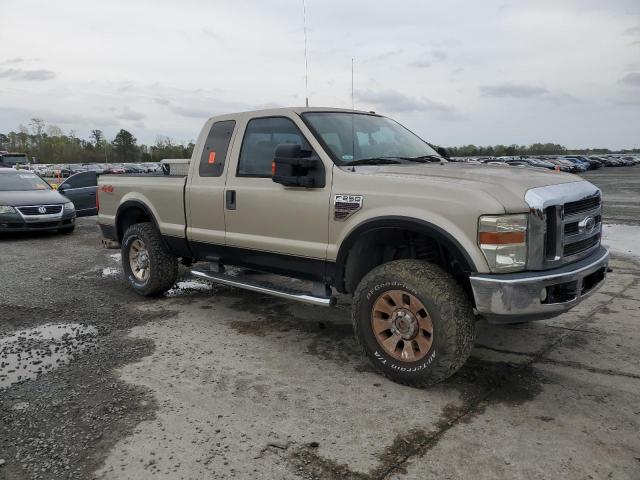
163 195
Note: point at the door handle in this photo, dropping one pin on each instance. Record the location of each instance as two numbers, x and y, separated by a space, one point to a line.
230 199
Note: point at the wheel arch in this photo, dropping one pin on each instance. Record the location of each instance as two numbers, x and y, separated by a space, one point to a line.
131 212
399 223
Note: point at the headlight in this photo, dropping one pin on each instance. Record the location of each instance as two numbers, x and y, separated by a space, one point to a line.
69 207
7 209
503 241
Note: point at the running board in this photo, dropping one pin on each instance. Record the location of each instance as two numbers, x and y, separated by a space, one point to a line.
283 292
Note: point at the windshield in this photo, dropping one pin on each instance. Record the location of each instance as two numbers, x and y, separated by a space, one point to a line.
22 181
355 136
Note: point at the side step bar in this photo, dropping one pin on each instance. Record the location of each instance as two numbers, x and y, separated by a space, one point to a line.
326 300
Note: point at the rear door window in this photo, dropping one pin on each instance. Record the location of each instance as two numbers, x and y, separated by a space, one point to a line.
214 153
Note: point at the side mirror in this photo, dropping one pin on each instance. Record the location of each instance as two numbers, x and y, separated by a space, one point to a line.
444 152
294 167
62 188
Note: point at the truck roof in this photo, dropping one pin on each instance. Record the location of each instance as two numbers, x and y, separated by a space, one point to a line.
299 110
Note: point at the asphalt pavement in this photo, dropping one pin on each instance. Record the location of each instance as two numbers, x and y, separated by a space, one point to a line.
215 382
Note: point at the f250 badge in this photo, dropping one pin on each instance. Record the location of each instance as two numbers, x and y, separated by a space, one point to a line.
346 205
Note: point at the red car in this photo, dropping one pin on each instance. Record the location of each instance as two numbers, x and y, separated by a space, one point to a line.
112 169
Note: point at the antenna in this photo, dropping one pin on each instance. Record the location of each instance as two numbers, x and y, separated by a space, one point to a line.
353 127
352 102
306 62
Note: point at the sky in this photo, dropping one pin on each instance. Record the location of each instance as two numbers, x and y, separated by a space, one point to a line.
455 72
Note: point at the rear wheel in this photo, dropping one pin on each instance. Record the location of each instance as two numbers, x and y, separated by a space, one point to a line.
149 268
413 321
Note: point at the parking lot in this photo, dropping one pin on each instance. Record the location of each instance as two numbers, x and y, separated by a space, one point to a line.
215 382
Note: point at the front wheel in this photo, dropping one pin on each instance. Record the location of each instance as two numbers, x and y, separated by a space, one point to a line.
413 321
149 268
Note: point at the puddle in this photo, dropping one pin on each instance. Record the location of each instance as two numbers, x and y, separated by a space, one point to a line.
116 257
186 287
26 354
622 239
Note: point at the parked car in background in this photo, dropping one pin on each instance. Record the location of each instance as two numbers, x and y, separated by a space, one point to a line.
579 160
77 168
542 163
12 159
81 189
62 170
28 203
94 167
114 169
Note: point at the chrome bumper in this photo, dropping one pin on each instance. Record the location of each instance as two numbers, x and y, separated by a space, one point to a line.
520 297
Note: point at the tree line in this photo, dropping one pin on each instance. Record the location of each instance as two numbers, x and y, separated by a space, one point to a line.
50 144
531 150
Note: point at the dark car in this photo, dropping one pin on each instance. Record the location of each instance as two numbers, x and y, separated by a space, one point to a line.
12 159
81 189
28 203
77 168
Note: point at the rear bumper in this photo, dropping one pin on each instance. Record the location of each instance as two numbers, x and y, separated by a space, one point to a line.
521 297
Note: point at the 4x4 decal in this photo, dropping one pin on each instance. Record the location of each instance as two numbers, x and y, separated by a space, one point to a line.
346 205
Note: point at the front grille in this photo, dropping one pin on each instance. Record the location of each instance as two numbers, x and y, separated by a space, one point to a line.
584 205
581 246
35 210
573 228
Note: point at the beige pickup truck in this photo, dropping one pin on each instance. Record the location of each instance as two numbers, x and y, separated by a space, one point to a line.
354 202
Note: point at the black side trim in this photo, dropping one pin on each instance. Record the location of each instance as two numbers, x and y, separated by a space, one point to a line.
178 246
108 231
408 223
288 265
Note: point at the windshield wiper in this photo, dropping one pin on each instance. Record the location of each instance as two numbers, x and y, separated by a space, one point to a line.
424 158
374 161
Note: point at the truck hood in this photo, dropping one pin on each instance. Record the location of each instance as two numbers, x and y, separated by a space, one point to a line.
507 185
31 197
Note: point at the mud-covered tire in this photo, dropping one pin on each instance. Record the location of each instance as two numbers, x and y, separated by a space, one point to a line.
163 267
449 309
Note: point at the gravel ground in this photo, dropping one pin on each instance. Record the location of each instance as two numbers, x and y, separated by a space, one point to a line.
213 382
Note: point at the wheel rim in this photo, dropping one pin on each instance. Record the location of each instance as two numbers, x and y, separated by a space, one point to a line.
402 325
139 260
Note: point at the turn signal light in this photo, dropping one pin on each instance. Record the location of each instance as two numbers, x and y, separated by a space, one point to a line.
501 238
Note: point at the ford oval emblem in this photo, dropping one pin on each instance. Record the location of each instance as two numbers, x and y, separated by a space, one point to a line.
587 225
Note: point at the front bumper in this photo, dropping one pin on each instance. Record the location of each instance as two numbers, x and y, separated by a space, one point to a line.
525 296
16 223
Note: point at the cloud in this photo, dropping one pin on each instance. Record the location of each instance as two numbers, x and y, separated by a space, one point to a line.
632 30
631 79
393 101
20 74
13 60
512 90
439 55
429 59
128 114
191 112
162 101
420 64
